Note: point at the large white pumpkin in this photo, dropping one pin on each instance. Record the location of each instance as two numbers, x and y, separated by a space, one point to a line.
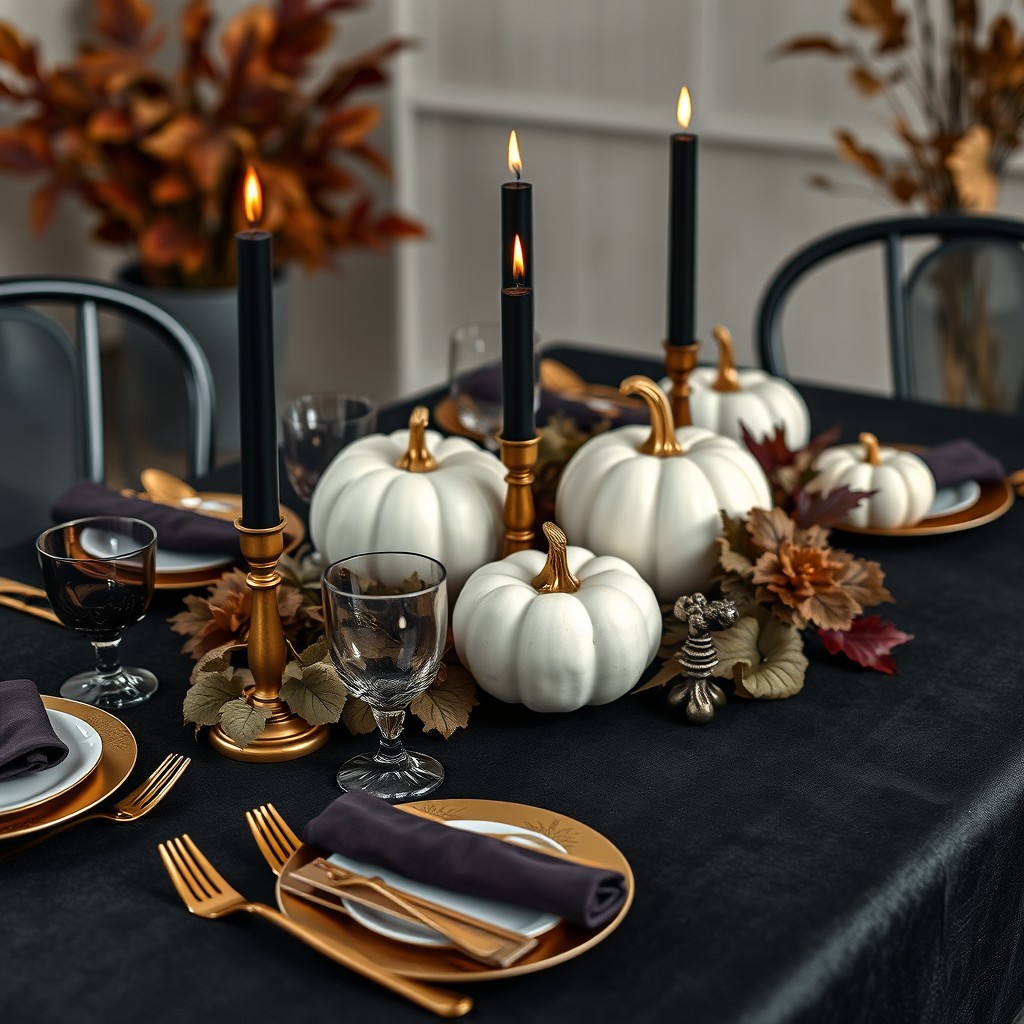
559 633
904 484
412 490
652 495
724 399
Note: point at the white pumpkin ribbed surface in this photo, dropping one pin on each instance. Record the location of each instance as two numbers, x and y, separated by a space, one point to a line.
453 513
556 651
661 514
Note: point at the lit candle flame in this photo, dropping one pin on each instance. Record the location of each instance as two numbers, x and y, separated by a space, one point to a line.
515 161
253 197
684 108
518 264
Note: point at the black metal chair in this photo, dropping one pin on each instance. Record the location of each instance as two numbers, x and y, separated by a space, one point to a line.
944 317
51 395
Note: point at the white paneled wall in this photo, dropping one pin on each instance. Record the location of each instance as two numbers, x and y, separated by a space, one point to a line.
591 86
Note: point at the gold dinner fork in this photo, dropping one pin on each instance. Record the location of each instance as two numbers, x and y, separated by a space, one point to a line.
137 804
13 593
490 944
206 894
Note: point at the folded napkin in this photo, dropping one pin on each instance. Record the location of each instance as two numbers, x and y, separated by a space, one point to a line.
177 529
369 829
956 462
27 740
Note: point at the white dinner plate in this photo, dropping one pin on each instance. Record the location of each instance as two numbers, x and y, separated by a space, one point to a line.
524 920
84 749
949 500
189 561
93 542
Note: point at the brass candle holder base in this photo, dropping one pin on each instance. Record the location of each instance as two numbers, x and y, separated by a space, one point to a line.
287 736
679 363
519 458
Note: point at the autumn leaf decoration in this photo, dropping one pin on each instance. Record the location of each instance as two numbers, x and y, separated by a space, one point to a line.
954 88
160 157
786 579
217 626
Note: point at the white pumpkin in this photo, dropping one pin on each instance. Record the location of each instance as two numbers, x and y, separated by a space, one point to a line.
388 492
725 399
905 485
559 633
652 495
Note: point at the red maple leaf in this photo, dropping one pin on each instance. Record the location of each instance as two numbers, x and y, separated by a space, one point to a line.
868 642
771 451
816 509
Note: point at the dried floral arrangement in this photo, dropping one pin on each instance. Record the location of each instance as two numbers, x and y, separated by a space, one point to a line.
778 567
954 86
218 624
160 157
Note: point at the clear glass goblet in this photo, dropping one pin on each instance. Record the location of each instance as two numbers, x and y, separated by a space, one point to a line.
98 574
314 428
386 617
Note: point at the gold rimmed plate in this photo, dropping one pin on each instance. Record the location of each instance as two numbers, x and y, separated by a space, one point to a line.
562 942
115 765
294 534
994 500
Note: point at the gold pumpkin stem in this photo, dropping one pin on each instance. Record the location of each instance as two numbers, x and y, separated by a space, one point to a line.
727 379
662 441
417 459
872 455
555 577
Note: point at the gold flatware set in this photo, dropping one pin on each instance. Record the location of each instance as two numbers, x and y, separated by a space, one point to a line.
17 595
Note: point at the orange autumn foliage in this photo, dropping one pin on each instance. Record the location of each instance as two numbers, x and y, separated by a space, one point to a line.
160 157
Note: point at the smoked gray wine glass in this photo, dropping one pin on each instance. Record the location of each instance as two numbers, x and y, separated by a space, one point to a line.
386 617
98 574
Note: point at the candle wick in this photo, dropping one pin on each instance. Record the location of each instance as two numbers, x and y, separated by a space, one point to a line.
517 173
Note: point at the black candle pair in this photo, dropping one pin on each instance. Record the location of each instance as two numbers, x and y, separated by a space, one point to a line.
518 384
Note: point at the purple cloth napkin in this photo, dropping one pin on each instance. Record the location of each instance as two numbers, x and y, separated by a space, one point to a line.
955 462
177 529
27 740
369 829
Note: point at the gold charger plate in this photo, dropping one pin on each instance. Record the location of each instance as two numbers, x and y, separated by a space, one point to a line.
446 417
294 534
563 942
116 763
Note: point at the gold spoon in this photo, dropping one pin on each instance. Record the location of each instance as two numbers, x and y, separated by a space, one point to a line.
166 487
561 380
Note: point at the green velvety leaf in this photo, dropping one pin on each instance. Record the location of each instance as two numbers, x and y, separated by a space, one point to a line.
208 694
243 722
358 717
314 691
768 654
216 660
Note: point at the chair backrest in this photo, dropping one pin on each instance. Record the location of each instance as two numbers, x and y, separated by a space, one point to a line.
921 306
39 360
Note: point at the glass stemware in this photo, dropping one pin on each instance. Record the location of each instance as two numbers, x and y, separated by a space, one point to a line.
386 617
314 428
98 574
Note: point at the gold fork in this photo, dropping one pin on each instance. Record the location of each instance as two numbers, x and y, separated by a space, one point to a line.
206 894
137 804
478 939
19 590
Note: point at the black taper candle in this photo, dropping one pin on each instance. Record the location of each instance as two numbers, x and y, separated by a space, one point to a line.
517 373
682 261
257 400
516 219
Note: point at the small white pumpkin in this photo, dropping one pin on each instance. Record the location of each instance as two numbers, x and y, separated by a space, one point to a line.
652 495
905 485
559 633
726 399
388 492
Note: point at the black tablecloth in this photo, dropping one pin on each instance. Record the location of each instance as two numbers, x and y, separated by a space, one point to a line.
851 854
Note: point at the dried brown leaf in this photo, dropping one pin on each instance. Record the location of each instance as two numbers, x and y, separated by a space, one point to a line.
446 705
358 716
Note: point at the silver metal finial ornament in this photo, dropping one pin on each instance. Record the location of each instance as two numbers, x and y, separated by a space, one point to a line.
697 694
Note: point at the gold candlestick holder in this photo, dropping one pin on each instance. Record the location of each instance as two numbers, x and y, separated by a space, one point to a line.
286 736
519 458
679 363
